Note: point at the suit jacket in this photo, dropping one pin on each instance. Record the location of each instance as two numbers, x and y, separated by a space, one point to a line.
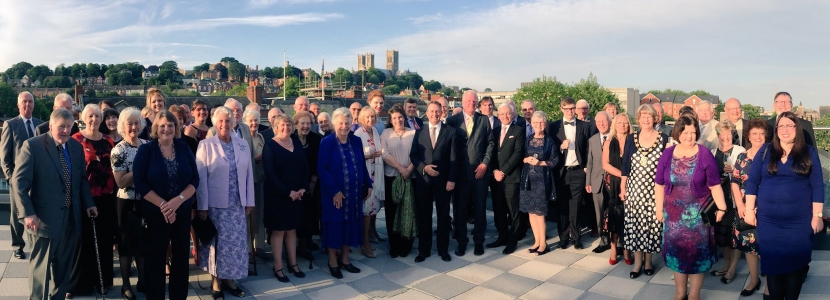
665 129
246 134
806 129
475 149
593 126
709 136
556 130
443 156
39 185
214 167
736 139
594 175
12 138
267 134
406 123
509 152
44 128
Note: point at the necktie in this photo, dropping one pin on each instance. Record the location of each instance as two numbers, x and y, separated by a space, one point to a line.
604 137
569 123
414 124
67 199
469 126
503 133
529 129
29 128
432 135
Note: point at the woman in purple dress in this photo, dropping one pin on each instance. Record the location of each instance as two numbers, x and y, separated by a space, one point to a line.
687 176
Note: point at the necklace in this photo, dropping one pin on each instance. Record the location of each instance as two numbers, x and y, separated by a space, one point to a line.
400 136
285 144
172 152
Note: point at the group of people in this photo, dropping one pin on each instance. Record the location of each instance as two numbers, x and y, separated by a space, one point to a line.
134 181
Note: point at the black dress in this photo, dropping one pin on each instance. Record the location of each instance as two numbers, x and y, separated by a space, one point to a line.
285 171
615 212
725 229
311 200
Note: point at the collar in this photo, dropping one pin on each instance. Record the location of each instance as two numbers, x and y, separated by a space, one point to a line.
466 116
26 119
571 120
436 125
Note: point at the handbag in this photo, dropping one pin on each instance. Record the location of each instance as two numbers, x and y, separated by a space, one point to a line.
133 224
205 229
708 213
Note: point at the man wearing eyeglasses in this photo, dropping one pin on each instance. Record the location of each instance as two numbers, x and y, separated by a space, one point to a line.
734 114
583 113
783 102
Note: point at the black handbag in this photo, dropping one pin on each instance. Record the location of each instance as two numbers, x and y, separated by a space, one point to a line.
708 213
205 229
133 225
741 225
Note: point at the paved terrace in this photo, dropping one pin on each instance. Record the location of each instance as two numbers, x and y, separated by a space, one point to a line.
560 274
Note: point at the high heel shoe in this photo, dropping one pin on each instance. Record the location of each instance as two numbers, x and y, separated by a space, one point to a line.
335 272
280 278
612 261
217 294
299 273
717 273
629 261
649 272
725 280
236 292
533 250
634 275
348 267
369 254
749 292
543 251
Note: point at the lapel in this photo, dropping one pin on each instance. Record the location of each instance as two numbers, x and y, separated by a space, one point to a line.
442 134
507 134
52 149
219 148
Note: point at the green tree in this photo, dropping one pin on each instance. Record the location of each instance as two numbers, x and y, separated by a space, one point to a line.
343 75
667 91
228 59
43 108
236 71
93 70
57 82
447 92
547 92
61 70
375 73
18 70
200 68
751 111
488 90
39 72
170 65
432 85
823 136
392 89
313 75
292 87
8 100
240 90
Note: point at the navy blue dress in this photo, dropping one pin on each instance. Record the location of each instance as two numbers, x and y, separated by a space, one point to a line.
285 171
785 210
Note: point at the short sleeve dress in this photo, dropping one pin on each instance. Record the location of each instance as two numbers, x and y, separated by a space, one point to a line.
744 240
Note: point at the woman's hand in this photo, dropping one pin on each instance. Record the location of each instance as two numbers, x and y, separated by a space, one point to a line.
300 194
749 217
527 160
719 215
728 168
741 207
248 210
659 216
338 200
818 224
172 204
169 214
622 193
203 214
404 172
368 195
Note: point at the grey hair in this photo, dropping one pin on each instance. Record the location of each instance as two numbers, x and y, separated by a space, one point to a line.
60 115
231 101
251 113
663 109
583 101
342 112
20 96
711 107
532 104
222 110
94 108
602 112
301 97
124 118
252 105
62 97
725 125
511 107
323 114
539 114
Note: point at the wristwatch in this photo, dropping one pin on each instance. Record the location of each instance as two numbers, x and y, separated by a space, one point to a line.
819 215
181 197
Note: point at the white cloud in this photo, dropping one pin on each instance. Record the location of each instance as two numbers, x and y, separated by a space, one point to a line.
167 10
263 3
427 19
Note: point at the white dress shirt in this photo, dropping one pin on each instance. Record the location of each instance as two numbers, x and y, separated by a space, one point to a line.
31 124
570 133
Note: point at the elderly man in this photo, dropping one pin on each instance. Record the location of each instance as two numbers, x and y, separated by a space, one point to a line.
268 134
62 100
475 152
708 125
735 114
583 113
355 110
784 102
325 124
410 107
301 104
51 191
507 170
660 125
15 132
528 108
445 109
314 108
595 176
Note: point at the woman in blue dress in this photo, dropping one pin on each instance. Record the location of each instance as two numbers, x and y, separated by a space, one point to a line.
345 184
787 184
687 176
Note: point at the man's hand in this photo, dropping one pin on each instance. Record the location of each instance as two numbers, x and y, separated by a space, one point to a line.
480 170
31 222
565 145
588 189
498 175
92 212
450 186
430 170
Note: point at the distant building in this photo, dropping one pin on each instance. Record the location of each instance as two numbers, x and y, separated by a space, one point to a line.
392 61
365 61
628 98
499 97
149 74
673 102
823 111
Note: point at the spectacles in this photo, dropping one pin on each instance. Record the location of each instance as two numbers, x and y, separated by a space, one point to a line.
568 108
583 108
783 102
787 126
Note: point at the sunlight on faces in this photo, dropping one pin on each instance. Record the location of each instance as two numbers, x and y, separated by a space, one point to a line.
26 104
658 108
411 109
199 113
61 130
92 119
504 115
733 110
157 103
223 125
252 123
301 104
786 130
237 111
704 112
434 112
568 111
602 123
725 137
468 103
377 104
283 129
133 127
622 124
645 119
486 108
112 123
368 119
315 109
757 137
167 130
612 111
342 126
397 120
325 123
527 109
355 110
445 107
538 124
582 110
303 125
782 104
687 137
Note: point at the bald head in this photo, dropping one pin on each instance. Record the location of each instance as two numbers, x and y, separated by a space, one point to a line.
301 104
445 107
732 107
272 115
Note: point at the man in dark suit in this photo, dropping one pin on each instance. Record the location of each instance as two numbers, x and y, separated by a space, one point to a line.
507 170
410 107
572 135
51 191
62 100
784 102
528 108
434 156
268 134
734 114
595 176
583 113
661 126
15 132
475 141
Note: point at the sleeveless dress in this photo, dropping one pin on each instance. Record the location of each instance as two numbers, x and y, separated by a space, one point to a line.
642 230
534 200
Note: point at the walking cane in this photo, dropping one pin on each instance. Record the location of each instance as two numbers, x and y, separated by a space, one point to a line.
253 250
98 257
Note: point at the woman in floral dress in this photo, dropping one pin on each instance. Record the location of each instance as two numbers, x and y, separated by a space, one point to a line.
368 134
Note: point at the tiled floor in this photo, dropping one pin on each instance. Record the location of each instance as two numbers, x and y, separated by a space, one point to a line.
561 274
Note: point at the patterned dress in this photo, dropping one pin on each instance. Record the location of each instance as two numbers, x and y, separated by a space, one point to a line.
642 230
534 200
688 244
372 205
744 240
725 228
226 256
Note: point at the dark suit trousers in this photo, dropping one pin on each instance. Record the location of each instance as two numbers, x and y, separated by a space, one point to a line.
425 196
600 205
506 214
15 225
466 191
52 260
397 244
568 204
84 277
160 234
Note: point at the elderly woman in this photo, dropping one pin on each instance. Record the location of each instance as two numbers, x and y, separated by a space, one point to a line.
396 143
687 177
786 181
97 149
725 155
371 141
310 225
226 196
536 184
287 176
109 126
128 203
612 153
755 131
345 186
155 104
250 117
165 175
641 152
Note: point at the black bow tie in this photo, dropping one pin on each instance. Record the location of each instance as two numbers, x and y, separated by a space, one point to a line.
569 123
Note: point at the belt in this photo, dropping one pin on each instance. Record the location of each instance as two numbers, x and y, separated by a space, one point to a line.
571 168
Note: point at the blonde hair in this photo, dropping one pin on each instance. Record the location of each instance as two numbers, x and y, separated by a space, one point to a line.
151 93
614 122
366 110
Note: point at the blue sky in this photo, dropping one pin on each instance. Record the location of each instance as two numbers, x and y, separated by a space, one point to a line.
743 49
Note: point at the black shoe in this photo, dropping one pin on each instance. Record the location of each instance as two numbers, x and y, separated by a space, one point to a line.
445 257
543 251
19 254
563 244
650 272
217 294
404 254
299 273
496 244
601 248
766 297
280 278
420 258
479 250
237 292
749 292
635 274
471 220
393 254
127 295
509 249
461 250
335 272
578 245
348 267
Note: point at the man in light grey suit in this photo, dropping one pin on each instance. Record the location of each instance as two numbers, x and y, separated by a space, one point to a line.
660 126
51 191
595 175
15 132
